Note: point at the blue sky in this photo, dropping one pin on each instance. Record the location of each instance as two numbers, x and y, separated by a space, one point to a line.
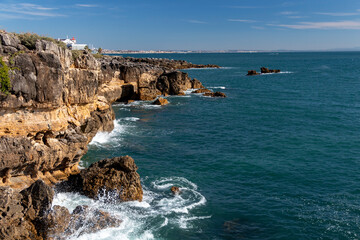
191 24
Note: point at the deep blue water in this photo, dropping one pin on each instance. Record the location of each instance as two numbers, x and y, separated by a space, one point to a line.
279 158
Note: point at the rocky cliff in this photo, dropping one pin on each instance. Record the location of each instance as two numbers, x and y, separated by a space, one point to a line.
58 100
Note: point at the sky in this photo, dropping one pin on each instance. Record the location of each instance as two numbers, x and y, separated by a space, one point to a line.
191 24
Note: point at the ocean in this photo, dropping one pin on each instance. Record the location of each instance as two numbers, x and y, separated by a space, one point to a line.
279 158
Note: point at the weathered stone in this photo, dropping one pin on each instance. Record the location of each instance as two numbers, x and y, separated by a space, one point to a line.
196 84
116 176
161 101
215 94
202 90
252 73
175 190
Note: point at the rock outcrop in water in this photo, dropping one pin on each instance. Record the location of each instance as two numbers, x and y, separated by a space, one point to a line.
116 177
263 70
161 101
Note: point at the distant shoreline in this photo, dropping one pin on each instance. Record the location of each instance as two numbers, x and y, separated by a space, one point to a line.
112 52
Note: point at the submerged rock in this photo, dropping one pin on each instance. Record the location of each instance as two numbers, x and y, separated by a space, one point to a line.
160 101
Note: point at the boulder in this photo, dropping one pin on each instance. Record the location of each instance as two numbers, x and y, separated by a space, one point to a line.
175 190
252 73
116 177
215 94
58 221
160 101
37 199
23 213
61 224
87 220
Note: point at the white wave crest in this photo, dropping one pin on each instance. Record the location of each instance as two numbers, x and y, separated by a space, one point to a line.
219 87
106 137
143 220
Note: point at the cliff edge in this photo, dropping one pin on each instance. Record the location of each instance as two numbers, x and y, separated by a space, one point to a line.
56 100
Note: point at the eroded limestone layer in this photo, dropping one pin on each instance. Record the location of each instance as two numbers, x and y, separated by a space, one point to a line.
59 100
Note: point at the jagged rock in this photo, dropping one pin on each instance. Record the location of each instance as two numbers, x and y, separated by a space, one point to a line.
196 84
215 94
202 90
57 221
116 176
12 224
161 101
252 73
37 200
266 70
23 213
61 224
175 190
174 83
86 220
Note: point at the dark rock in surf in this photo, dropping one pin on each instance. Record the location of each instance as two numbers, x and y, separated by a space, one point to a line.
202 90
116 176
252 73
215 94
175 190
160 101
267 70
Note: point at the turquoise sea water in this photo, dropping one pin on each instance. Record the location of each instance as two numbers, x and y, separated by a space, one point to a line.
279 158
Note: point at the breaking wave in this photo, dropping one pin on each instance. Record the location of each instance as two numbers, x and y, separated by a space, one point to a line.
159 210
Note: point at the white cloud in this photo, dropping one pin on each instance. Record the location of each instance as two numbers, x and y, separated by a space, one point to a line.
86 5
338 14
242 20
321 25
24 10
196 21
288 13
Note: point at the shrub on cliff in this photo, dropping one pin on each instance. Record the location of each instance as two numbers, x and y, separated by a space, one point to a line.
4 77
29 40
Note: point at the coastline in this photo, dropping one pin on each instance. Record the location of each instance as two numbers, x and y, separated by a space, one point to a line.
47 124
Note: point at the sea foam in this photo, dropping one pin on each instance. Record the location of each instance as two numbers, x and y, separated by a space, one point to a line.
143 220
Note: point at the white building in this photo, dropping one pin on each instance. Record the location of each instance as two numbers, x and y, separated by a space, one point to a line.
71 44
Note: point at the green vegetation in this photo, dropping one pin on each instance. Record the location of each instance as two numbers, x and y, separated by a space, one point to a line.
29 40
4 77
97 55
76 54
12 57
100 50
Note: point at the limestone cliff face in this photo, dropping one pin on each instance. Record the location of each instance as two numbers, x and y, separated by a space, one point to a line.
59 101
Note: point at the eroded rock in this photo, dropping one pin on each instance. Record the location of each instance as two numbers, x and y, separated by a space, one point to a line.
215 94
161 101
116 177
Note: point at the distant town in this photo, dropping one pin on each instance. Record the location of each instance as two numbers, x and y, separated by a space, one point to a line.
107 51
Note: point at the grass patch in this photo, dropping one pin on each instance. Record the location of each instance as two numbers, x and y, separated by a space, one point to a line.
97 55
29 40
4 77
